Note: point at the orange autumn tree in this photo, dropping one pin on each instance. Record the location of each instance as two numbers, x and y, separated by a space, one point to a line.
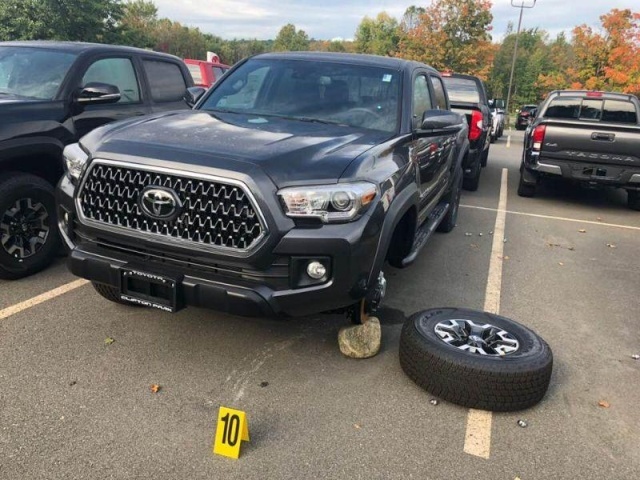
450 35
608 59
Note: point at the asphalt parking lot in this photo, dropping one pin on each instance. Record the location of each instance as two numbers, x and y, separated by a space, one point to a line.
73 407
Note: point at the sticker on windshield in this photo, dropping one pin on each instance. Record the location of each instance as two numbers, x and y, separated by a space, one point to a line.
386 78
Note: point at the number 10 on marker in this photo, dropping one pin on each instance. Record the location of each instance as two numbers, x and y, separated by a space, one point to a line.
232 429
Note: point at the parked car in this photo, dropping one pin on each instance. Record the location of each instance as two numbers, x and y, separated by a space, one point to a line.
525 116
51 94
282 193
587 137
496 105
468 96
204 73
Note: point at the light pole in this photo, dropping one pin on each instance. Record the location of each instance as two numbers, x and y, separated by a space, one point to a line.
522 5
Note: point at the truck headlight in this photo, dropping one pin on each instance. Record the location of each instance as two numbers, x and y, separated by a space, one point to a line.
75 159
341 202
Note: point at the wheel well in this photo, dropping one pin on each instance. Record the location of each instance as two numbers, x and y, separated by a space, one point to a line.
402 238
45 166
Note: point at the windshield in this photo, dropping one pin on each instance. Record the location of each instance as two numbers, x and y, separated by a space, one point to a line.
324 92
462 90
32 72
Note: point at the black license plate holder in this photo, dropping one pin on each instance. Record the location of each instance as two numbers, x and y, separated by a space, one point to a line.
149 289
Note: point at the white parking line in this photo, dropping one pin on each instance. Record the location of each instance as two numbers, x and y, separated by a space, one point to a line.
478 435
509 141
32 302
550 217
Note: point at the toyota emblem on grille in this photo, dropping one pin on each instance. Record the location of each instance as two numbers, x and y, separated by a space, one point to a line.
160 203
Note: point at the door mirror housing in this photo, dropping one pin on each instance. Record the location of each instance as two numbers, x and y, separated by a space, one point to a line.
192 95
96 93
440 120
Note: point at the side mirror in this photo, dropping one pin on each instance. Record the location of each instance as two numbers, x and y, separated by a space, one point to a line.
440 120
192 95
95 93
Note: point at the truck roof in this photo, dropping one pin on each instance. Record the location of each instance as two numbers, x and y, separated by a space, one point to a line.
351 58
82 47
591 93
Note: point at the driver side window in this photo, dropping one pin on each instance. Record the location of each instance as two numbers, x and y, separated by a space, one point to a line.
118 72
421 99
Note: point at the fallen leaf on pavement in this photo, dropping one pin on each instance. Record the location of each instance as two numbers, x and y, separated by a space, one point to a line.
599 219
473 245
108 341
561 264
611 245
572 248
506 257
582 230
356 426
155 388
603 404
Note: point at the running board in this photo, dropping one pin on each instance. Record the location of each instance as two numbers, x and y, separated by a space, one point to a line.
425 231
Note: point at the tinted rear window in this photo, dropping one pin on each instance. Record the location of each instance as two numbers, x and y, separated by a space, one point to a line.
462 90
573 108
166 81
617 111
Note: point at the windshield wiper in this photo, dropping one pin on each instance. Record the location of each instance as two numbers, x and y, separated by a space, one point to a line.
300 119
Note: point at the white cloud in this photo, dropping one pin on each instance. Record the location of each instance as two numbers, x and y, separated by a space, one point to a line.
327 19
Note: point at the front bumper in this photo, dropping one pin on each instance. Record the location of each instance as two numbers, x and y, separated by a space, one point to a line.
270 282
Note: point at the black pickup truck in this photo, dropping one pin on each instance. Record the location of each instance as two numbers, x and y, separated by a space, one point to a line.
468 96
51 94
587 137
282 193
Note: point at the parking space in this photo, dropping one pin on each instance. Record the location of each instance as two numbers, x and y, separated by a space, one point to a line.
72 406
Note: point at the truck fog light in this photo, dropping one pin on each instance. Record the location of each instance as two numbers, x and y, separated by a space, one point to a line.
316 270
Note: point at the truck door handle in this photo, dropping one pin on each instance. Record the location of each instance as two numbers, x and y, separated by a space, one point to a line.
603 137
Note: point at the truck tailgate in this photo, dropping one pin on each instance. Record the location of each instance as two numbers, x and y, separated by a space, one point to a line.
611 144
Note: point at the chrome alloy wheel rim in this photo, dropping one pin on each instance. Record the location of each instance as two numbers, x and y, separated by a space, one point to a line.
477 339
23 228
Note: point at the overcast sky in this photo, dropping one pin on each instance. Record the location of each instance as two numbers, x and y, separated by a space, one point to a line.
328 19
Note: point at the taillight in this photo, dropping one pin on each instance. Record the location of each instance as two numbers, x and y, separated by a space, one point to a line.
475 129
538 137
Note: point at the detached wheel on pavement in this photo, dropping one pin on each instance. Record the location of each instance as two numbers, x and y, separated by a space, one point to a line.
476 359
29 236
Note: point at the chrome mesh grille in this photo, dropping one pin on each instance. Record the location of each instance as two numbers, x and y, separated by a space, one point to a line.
214 213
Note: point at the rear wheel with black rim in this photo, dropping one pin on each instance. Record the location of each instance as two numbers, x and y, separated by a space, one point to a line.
449 221
29 238
471 183
526 189
476 359
633 199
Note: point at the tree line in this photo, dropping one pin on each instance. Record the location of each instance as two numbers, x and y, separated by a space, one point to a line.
447 34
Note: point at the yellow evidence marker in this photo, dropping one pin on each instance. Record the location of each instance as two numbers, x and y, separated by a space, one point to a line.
232 429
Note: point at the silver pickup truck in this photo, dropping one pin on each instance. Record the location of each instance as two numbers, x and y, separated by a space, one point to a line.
584 136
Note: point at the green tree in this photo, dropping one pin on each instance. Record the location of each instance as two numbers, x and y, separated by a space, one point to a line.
379 36
138 22
79 20
290 39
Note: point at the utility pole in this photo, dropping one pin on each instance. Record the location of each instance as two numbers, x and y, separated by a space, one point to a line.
522 6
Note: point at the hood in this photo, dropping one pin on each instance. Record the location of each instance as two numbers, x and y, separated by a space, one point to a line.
288 151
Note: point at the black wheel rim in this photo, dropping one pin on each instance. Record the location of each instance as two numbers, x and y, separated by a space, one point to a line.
23 228
477 339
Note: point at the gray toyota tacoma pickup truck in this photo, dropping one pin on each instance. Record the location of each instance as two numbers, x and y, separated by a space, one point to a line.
284 192
587 137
